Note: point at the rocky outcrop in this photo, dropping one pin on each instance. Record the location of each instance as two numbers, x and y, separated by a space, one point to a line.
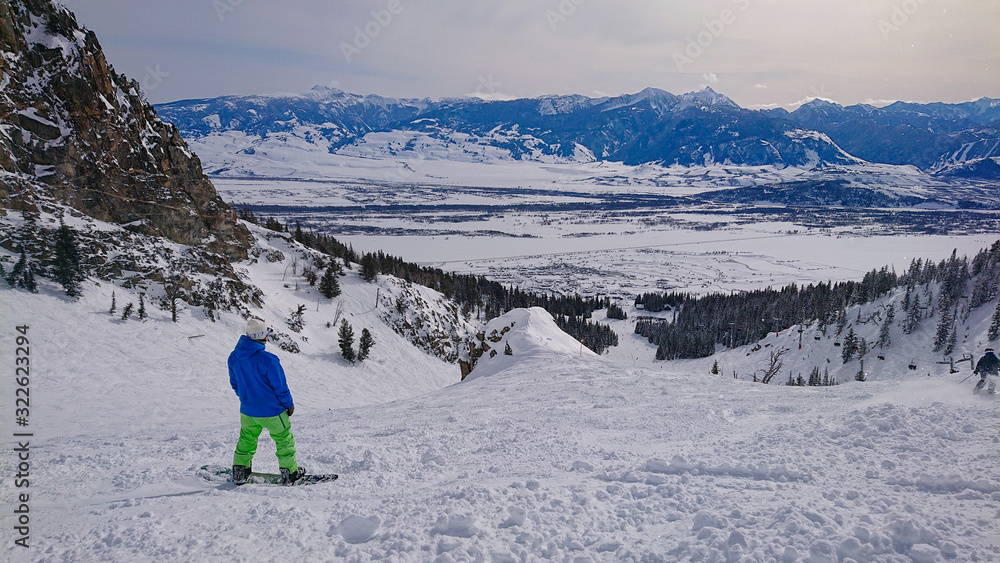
481 345
74 132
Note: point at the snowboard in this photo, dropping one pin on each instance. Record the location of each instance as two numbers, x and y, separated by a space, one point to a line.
223 473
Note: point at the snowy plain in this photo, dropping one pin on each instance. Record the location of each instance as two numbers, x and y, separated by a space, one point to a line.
568 227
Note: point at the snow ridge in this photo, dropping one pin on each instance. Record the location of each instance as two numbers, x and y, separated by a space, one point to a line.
521 335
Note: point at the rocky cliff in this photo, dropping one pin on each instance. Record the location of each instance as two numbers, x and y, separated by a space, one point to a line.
76 133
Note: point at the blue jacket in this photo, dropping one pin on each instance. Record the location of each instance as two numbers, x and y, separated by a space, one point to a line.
258 380
988 365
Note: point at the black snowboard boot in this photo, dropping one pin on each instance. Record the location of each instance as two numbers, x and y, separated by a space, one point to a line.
241 473
289 478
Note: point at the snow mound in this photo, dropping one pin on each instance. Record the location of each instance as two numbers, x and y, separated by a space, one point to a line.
520 335
357 529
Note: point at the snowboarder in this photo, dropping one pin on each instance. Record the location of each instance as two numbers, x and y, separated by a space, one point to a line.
265 402
987 368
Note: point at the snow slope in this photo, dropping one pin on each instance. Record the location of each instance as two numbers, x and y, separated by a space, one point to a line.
89 365
555 457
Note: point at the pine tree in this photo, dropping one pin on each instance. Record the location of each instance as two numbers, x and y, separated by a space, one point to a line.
794 381
28 281
142 307
912 315
127 311
365 345
826 377
114 304
329 286
296 321
23 274
715 368
860 376
273 224
884 338
15 274
841 321
345 337
815 379
661 353
310 276
246 214
906 299
850 346
369 268
68 269
616 312
949 346
943 330
994 331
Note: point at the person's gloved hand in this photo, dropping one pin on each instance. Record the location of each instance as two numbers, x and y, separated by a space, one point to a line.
290 410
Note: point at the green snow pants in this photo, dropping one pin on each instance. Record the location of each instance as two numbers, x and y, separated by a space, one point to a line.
280 429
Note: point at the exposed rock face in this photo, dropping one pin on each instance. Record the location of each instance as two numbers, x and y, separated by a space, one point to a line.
74 131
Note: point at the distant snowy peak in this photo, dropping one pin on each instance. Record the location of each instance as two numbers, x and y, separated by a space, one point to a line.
822 106
707 97
653 98
554 105
328 95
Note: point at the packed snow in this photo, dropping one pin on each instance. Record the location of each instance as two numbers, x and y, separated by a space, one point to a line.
550 453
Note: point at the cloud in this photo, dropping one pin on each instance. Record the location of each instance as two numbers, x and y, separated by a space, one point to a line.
764 52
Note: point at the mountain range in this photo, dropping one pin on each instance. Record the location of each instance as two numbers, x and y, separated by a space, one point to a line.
652 126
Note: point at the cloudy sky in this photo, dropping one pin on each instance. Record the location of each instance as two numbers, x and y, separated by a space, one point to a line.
758 52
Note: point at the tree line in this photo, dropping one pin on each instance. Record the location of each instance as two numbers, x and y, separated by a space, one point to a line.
474 294
741 318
